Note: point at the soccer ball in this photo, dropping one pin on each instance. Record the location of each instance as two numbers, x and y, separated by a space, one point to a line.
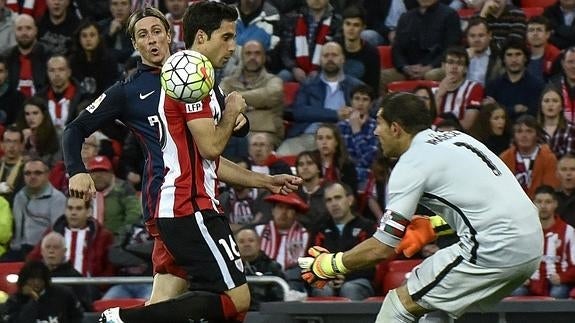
187 76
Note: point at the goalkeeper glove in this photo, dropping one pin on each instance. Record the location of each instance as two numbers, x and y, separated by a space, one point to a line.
321 266
439 225
418 233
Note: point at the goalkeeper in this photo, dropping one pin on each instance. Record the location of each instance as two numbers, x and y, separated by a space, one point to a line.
455 175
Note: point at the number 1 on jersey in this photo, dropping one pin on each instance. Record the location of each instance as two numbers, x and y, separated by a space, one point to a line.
481 155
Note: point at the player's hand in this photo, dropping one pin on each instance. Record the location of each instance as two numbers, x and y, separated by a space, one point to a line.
418 233
82 186
321 266
283 184
241 121
235 102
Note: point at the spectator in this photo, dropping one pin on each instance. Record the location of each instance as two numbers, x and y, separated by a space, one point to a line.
63 93
380 30
361 58
484 62
556 274
11 100
532 162
343 231
559 133
115 205
11 163
263 159
37 206
6 222
53 249
92 65
357 132
259 20
262 91
257 263
517 90
456 95
114 33
543 54
560 16
132 255
566 82
505 21
26 60
492 128
323 98
566 189
303 36
40 137
417 49
37 300
35 8
308 167
426 94
336 165
94 10
284 239
87 241
55 28
175 14
7 17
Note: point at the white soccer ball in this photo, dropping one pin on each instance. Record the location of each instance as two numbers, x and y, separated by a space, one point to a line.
187 76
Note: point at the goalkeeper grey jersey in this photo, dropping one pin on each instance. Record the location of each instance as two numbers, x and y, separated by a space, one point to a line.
456 176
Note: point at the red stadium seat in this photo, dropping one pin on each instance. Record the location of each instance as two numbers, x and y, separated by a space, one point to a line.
104 304
572 293
397 271
532 12
385 60
408 86
9 276
537 3
327 299
290 90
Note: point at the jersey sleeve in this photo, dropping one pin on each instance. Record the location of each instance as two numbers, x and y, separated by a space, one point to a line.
196 110
405 188
105 109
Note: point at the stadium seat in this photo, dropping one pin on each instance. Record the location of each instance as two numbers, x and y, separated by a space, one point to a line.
374 299
327 299
466 13
290 90
537 3
9 276
408 86
532 12
572 293
385 60
103 304
397 271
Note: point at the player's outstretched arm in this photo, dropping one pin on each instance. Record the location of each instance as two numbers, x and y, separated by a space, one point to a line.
231 173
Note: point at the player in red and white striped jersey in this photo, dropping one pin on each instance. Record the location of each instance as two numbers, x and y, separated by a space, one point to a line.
455 94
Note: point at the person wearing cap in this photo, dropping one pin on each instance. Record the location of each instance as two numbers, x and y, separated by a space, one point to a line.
342 232
284 239
115 204
36 208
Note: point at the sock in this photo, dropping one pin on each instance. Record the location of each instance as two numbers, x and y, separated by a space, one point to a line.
195 306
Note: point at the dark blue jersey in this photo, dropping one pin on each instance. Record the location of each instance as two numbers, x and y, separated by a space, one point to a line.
134 102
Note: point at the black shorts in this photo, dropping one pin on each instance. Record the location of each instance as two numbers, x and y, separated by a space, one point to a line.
203 245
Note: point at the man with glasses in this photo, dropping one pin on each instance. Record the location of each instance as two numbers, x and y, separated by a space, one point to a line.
37 206
456 94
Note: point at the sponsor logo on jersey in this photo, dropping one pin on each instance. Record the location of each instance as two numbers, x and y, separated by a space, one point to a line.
193 107
94 105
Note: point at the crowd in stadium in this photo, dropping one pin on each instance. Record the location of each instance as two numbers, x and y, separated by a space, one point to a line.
312 74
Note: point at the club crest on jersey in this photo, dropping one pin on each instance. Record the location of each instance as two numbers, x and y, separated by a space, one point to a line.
193 107
94 105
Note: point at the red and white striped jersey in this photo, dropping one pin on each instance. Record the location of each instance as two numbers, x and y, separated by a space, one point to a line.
190 181
467 96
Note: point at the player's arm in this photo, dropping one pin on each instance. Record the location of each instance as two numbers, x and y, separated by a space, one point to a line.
232 174
212 138
103 110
